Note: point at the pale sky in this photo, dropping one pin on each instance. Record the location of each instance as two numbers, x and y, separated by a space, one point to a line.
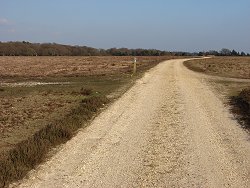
174 25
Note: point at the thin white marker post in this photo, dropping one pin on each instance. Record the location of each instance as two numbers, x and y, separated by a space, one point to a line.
134 70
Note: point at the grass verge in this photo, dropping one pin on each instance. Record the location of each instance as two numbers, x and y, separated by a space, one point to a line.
15 163
232 67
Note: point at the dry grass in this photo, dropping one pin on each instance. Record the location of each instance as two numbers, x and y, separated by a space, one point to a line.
71 66
31 117
235 67
23 106
15 163
16 111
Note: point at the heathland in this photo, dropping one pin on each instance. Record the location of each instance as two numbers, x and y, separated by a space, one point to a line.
45 100
168 130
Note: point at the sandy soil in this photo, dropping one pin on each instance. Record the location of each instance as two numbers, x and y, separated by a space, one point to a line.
169 130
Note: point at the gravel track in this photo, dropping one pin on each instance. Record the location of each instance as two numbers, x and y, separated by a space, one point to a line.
169 130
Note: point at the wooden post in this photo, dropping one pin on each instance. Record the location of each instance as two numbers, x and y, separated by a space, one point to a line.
134 70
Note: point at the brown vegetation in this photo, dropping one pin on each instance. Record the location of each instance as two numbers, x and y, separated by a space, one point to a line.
31 115
236 67
24 106
71 66
15 163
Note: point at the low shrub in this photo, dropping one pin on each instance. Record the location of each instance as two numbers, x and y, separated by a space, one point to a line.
15 163
86 91
241 107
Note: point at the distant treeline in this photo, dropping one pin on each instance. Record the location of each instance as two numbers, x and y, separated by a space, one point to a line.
223 52
52 49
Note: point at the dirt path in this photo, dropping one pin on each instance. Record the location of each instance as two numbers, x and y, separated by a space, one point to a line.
169 130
